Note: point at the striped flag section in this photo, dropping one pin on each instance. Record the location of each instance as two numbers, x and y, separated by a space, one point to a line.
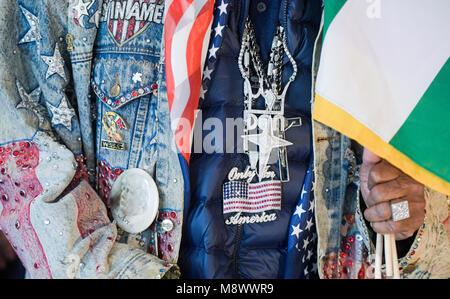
384 81
186 35
251 198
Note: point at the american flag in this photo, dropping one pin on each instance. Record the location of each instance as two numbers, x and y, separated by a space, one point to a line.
239 196
302 242
219 24
186 36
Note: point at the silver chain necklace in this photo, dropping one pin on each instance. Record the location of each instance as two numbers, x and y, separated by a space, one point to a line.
269 81
270 120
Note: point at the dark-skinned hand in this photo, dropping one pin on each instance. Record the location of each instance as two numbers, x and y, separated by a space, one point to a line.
383 184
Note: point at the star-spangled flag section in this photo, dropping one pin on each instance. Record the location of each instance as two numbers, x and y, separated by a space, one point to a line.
217 34
186 35
301 256
383 80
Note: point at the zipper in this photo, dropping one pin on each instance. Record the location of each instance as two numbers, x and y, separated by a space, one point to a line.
286 4
237 242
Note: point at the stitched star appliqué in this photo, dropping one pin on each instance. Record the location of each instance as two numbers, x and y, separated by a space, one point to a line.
62 114
80 9
55 64
33 34
30 101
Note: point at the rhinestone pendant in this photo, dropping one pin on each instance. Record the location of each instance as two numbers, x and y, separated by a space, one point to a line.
270 98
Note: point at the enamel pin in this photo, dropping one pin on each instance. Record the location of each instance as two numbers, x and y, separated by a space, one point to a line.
112 123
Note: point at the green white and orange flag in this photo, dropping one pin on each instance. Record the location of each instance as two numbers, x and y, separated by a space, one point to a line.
384 81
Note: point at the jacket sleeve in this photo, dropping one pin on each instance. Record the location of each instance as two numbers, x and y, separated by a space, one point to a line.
50 214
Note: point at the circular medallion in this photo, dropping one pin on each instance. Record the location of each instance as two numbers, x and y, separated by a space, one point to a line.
134 200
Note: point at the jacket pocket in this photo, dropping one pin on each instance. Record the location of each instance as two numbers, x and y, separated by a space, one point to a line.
117 81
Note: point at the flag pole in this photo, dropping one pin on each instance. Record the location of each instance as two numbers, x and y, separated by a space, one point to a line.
378 256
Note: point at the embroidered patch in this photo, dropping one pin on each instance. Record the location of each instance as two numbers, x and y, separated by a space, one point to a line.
126 19
85 14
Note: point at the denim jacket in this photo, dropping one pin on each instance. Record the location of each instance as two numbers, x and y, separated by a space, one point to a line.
64 65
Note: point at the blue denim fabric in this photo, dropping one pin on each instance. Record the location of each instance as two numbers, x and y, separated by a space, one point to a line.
148 138
44 94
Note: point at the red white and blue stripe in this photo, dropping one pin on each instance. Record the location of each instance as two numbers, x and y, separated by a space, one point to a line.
186 36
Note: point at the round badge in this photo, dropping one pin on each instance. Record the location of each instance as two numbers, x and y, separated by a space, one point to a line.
134 200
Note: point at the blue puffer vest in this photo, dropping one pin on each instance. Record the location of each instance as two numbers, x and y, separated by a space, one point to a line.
210 247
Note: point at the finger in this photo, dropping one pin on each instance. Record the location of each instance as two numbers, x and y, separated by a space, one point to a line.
369 160
384 227
387 191
404 228
378 213
404 235
369 157
381 173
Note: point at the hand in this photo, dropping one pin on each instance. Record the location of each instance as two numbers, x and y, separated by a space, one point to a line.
383 184
7 253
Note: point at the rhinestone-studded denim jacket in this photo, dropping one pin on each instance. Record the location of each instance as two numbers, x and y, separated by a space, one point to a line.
345 241
66 69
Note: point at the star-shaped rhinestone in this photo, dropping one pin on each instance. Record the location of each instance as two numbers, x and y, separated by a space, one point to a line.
62 114
55 64
30 101
33 34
